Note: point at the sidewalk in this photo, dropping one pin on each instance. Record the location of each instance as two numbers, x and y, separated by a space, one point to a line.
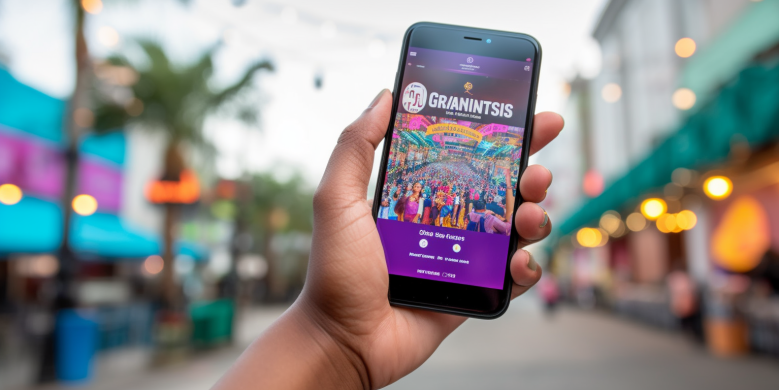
574 349
129 369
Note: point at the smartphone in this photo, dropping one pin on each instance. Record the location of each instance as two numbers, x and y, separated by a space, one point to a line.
456 145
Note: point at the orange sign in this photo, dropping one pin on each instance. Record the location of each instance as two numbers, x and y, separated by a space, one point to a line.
184 191
742 237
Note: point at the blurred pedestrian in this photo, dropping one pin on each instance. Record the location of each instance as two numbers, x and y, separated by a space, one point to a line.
549 291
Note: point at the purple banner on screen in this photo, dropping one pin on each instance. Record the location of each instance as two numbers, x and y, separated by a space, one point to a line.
444 254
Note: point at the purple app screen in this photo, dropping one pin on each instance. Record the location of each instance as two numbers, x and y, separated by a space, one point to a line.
446 202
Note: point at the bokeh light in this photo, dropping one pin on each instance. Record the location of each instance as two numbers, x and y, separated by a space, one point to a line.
635 222
717 187
686 219
685 47
10 194
611 222
683 98
84 204
666 223
591 237
92 6
611 92
592 183
653 208
108 36
742 236
153 265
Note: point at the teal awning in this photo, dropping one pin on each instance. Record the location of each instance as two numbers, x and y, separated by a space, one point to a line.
754 31
33 226
749 107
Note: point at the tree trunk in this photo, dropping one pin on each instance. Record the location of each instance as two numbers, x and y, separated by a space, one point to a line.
271 277
67 260
173 166
170 291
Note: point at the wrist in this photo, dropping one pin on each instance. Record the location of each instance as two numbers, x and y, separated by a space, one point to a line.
297 352
344 365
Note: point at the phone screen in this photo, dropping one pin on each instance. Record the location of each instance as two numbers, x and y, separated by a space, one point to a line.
452 166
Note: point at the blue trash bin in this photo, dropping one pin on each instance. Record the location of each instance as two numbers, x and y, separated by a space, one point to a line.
76 333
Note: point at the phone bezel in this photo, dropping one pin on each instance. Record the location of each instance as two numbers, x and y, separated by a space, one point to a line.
446 297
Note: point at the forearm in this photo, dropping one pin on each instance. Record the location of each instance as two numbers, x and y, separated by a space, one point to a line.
295 353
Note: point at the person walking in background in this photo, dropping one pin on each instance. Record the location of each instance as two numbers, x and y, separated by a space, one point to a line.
549 291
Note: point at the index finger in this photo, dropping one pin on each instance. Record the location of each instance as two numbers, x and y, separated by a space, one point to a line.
546 127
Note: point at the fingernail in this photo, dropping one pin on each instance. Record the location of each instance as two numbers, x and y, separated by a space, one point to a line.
546 219
551 176
376 99
531 263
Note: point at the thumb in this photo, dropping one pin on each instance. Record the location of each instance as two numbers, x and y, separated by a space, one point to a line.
349 169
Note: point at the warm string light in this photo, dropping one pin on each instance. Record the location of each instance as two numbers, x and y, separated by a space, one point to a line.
611 92
683 98
717 187
92 6
153 265
653 208
84 204
10 194
685 47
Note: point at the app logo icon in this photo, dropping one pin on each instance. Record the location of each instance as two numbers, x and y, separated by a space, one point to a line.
468 87
470 60
414 97
423 243
456 248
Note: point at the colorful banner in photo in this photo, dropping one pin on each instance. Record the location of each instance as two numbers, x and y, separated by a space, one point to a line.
441 128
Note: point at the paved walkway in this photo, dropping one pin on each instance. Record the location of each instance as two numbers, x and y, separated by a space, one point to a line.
522 350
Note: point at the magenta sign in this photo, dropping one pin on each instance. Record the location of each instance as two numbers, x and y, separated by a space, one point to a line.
38 168
104 182
33 164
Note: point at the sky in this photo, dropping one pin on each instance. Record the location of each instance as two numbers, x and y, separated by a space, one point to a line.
353 46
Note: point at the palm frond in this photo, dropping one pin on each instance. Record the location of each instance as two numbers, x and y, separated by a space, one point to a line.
245 81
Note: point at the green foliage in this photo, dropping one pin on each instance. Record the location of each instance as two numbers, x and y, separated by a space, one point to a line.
293 197
176 99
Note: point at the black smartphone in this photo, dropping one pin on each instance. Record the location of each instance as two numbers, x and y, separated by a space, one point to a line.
456 145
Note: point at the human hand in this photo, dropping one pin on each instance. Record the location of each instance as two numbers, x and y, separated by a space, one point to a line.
342 332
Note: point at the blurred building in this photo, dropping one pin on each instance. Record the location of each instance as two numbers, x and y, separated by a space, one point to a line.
682 112
113 282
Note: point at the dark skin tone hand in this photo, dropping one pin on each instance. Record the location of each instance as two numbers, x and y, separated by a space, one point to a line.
342 333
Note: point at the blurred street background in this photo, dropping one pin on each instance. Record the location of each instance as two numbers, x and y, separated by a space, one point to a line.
158 161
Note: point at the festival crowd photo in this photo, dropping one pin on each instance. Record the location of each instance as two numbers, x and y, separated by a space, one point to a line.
452 173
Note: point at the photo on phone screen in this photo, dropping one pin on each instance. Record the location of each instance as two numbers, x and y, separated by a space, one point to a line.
445 212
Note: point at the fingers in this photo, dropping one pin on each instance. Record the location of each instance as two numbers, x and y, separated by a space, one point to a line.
349 169
525 272
546 126
534 182
532 223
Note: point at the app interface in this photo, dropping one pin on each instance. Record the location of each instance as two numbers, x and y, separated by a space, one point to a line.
453 165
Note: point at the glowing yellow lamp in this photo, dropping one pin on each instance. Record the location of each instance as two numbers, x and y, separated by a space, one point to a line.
10 194
686 219
653 208
717 187
84 204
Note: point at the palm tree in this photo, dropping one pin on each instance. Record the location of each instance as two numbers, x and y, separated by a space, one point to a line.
175 100
279 207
